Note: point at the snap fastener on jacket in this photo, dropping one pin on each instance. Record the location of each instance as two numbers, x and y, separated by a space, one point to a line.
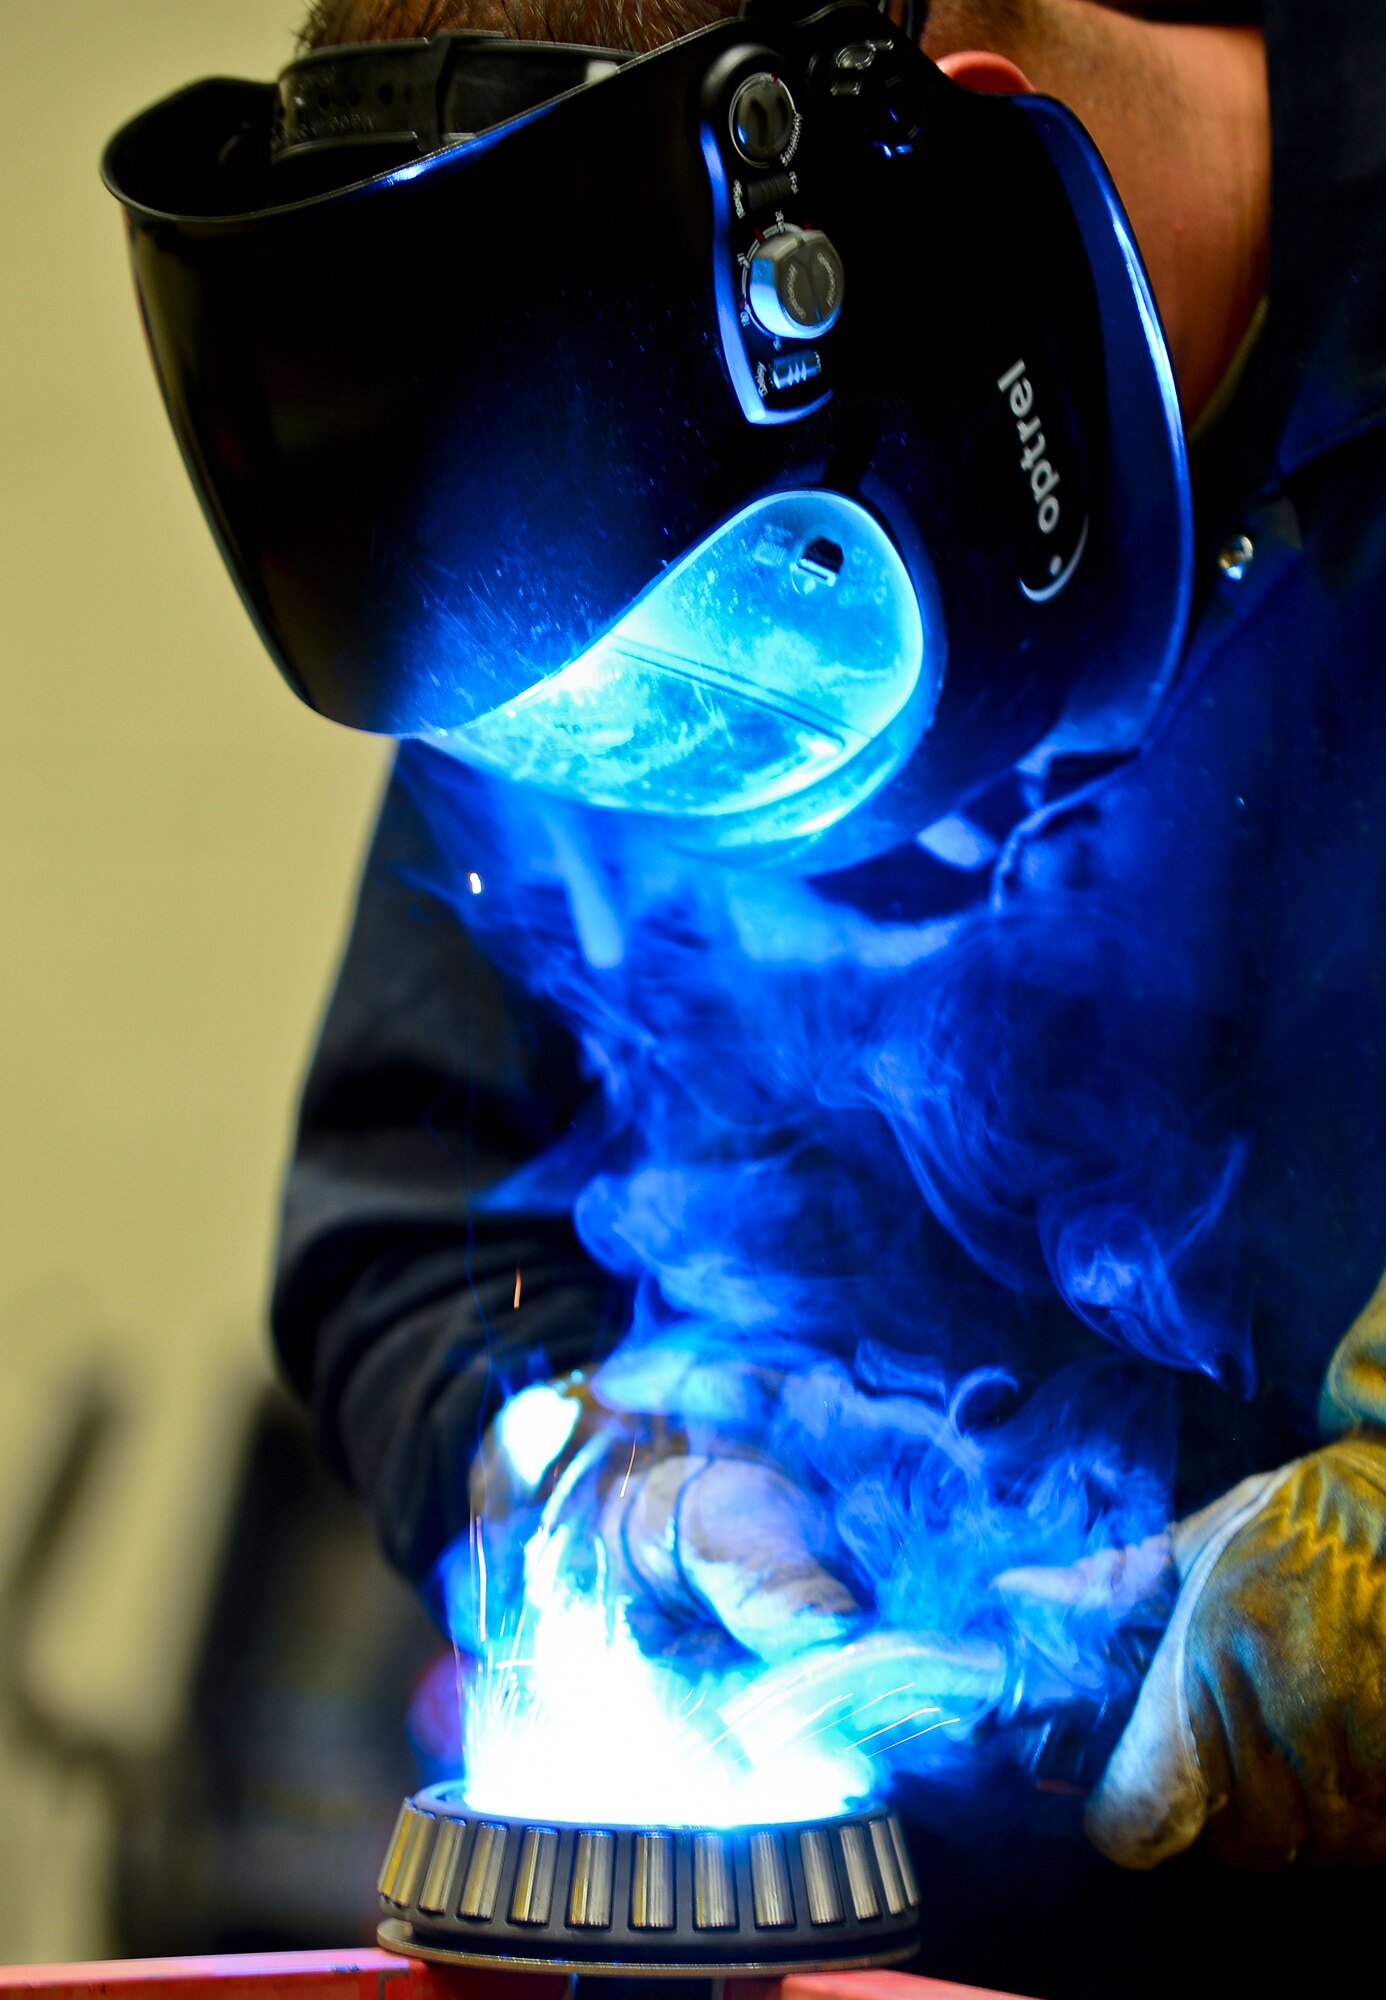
1234 557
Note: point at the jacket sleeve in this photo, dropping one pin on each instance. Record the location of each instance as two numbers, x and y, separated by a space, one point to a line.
394 1306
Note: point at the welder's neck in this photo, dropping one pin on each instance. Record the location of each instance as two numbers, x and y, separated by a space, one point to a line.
1181 114
1186 133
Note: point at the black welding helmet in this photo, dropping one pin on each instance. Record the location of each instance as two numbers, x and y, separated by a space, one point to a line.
764 435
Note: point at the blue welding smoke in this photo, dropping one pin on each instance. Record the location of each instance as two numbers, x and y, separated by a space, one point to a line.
938 1180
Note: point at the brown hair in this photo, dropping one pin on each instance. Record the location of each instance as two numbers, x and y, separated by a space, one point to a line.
611 24
637 24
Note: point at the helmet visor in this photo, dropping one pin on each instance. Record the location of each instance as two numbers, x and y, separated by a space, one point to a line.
767 666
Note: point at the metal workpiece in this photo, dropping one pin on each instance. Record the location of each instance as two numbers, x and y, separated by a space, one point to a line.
652 1882
589 1899
820 1877
415 1858
662 1900
534 1877
771 1895
482 1884
436 1894
888 1867
714 1883
861 1877
394 1853
904 1861
405 1857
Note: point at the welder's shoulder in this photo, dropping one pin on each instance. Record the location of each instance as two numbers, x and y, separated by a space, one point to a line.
421 1008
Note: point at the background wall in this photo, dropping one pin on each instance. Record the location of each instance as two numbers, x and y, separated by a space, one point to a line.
178 840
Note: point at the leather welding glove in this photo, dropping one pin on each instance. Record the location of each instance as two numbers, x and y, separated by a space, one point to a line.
1263 1715
700 1546
732 1543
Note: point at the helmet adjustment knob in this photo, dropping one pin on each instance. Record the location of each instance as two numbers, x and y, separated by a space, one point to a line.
794 283
762 119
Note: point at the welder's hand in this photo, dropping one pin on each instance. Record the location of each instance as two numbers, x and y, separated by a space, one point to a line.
731 1543
700 1545
1263 1715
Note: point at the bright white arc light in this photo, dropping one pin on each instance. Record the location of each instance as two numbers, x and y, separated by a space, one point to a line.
764 662
571 1722
533 1427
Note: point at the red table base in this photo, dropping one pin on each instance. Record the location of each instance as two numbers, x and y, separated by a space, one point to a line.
379 1975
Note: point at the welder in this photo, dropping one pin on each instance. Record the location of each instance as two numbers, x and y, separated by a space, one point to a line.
1243 830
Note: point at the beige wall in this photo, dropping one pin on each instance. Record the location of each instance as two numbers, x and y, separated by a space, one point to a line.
177 844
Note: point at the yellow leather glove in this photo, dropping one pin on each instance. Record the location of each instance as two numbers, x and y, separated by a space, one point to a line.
1263 1715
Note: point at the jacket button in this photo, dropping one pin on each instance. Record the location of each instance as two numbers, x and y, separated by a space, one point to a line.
1234 558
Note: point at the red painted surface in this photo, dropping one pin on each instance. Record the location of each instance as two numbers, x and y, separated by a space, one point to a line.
880 1986
274 1975
380 1975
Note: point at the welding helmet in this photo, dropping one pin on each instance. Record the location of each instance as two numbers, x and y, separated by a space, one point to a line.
765 435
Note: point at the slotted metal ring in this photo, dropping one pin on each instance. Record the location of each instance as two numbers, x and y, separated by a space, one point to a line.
652 1900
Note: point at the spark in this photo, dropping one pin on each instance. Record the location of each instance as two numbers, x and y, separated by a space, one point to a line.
807 1735
837 1702
629 1468
928 1708
474 882
745 1713
517 1288
927 1730
778 1691
903 1688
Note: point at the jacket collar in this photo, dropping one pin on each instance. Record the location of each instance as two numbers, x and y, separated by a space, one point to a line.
1318 375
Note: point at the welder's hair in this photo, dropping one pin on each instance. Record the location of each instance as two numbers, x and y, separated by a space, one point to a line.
627 24
649 24
609 24
979 24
